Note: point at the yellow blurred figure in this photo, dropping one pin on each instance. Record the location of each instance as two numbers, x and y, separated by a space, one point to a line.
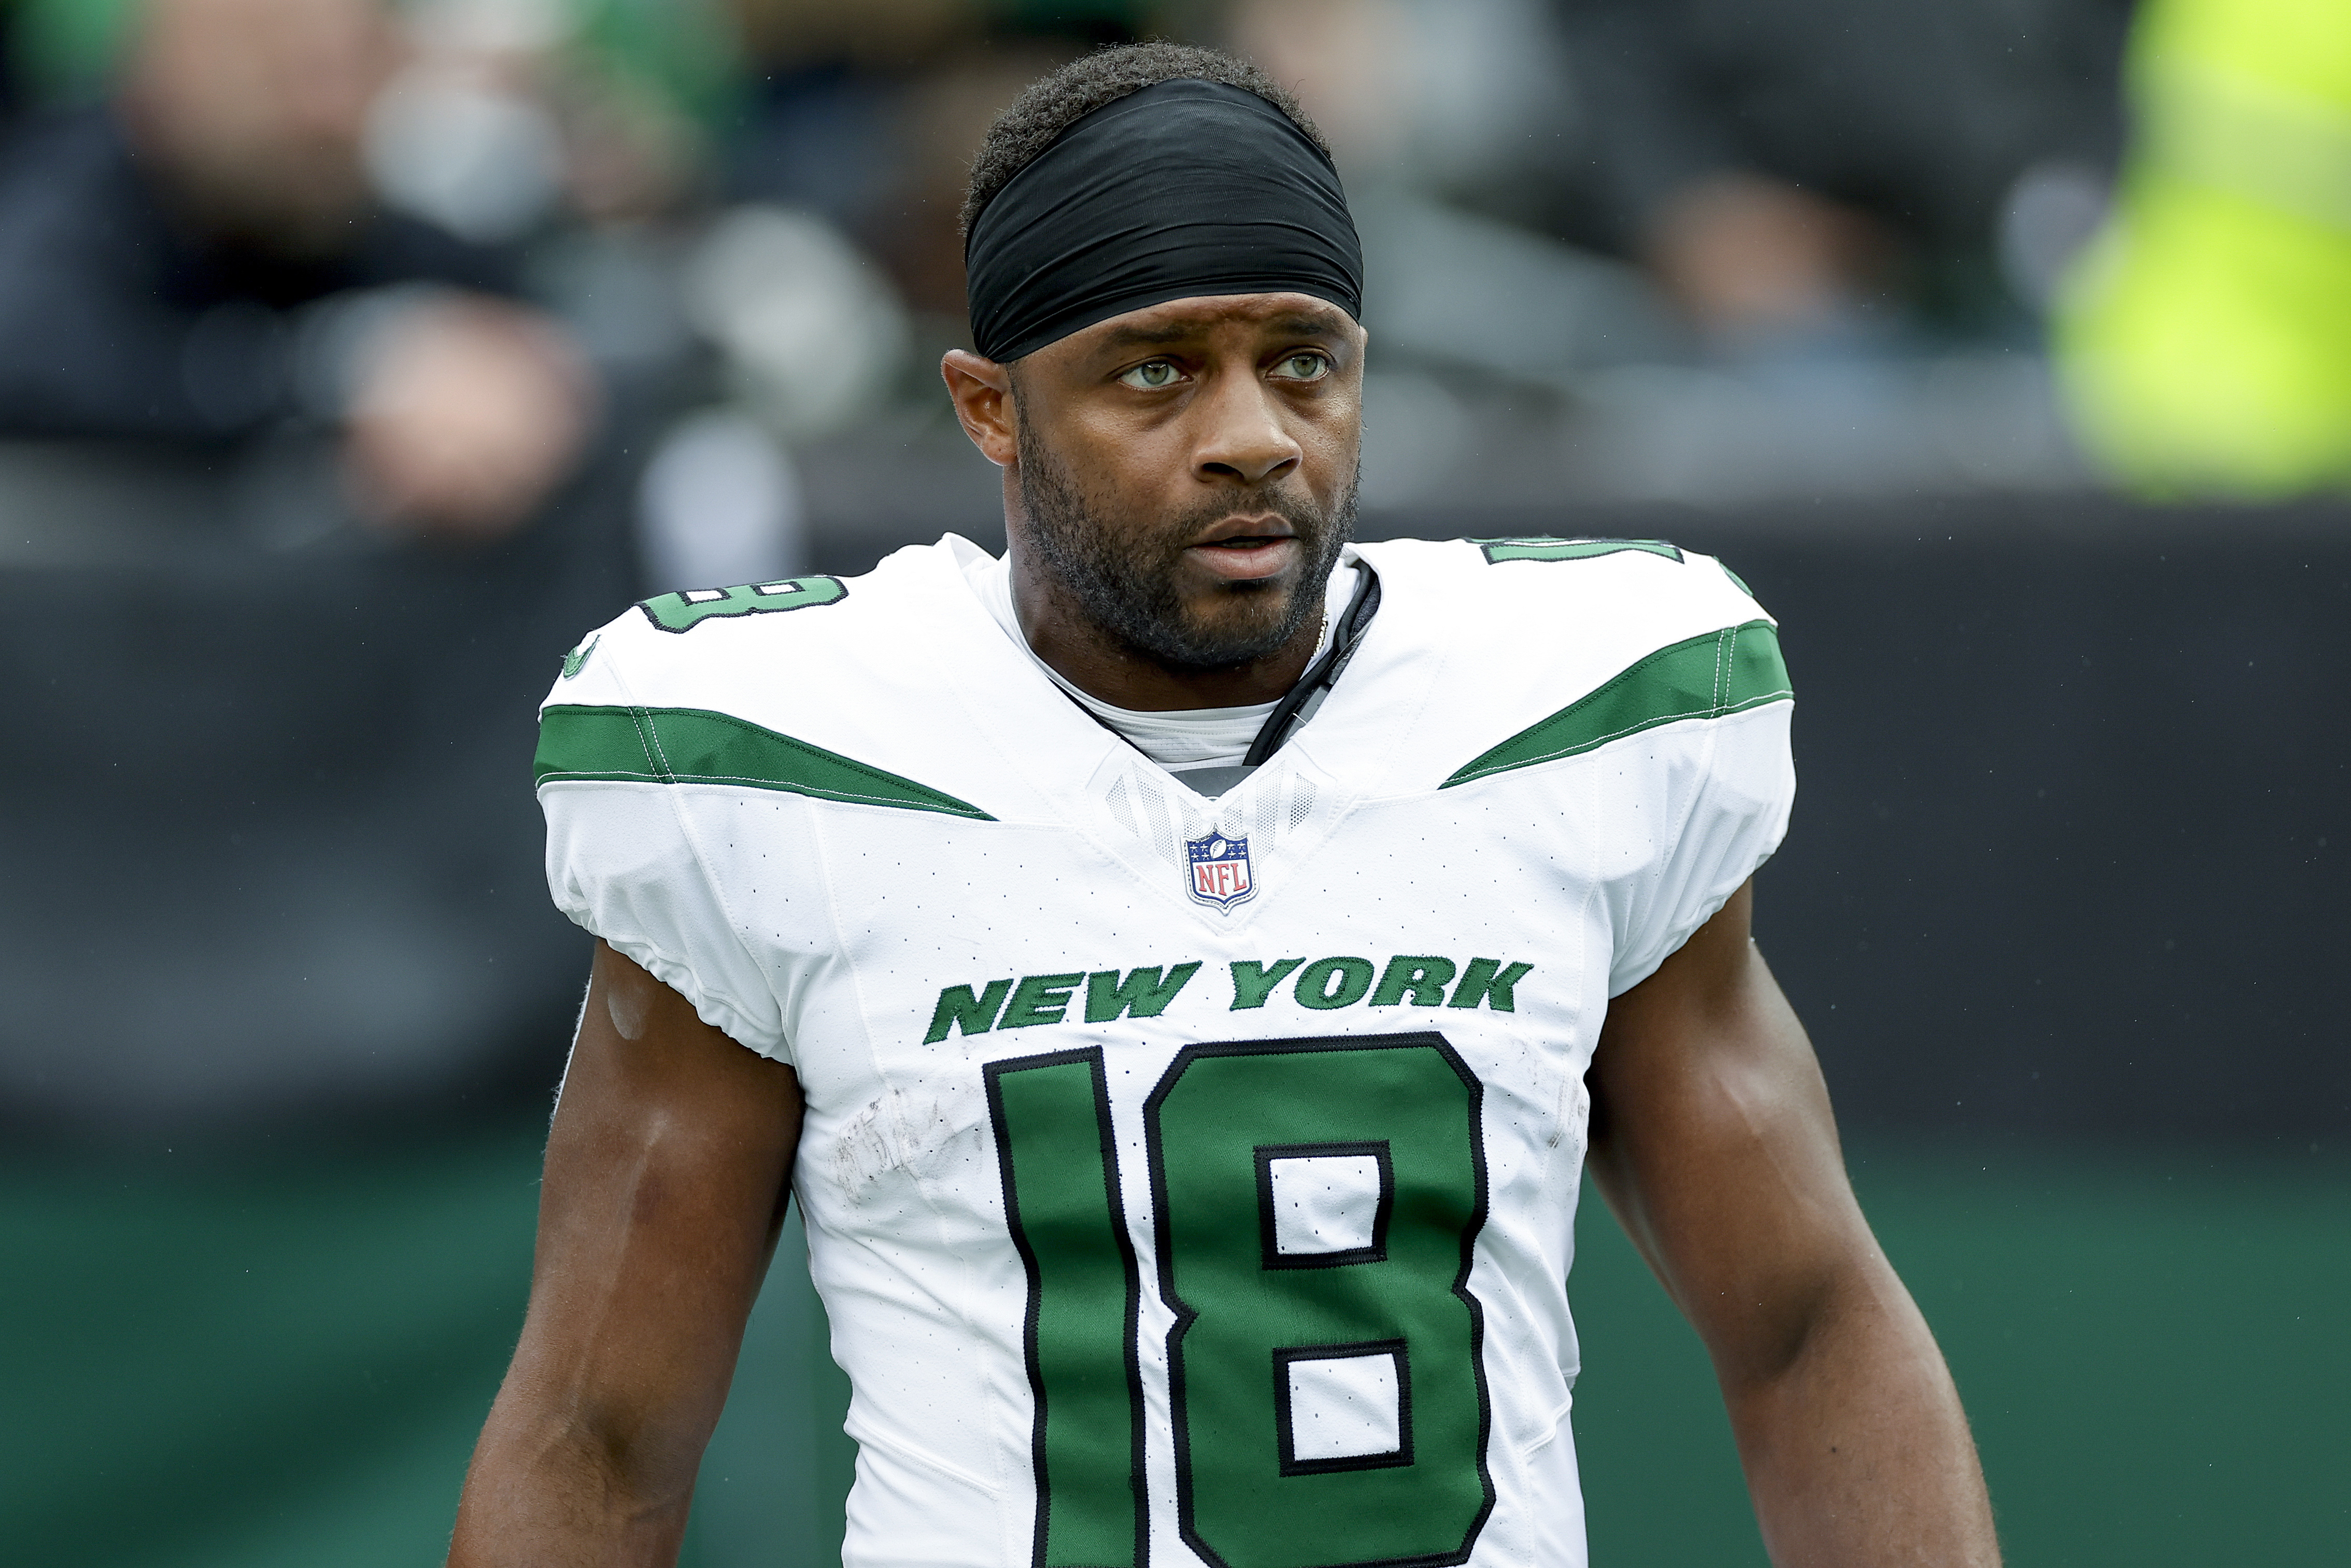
2205 340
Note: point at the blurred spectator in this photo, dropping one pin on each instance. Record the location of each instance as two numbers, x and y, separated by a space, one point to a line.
832 277
868 116
1788 168
1464 100
203 259
822 131
1447 120
1445 116
2207 337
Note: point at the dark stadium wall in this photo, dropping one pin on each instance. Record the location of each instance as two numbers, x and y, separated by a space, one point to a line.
273 862
2073 777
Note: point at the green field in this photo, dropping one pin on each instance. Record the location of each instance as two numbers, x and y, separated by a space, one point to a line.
283 1361
2156 1353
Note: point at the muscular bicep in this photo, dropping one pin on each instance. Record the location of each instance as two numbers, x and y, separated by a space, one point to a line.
667 1169
1713 1141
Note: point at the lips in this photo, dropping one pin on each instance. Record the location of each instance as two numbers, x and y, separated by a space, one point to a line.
1245 532
1242 548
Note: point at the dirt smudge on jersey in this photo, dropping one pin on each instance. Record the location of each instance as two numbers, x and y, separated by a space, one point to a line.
913 1133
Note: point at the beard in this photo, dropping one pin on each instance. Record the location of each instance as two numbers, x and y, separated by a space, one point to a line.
1123 574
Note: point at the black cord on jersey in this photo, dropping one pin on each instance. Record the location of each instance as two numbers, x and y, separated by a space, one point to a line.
1289 713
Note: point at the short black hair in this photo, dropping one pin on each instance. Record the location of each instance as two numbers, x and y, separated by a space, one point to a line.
1055 102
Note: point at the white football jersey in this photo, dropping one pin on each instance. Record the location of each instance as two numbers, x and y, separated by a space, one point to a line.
1188 1181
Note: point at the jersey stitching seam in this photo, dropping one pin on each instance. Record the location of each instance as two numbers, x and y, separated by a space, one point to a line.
1653 722
1430 689
650 738
795 788
996 1489
702 864
848 763
920 1456
649 742
1552 1425
816 791
1681 826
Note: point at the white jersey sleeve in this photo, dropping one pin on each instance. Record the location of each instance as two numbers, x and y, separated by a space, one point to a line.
624 863
1729 775
1739 783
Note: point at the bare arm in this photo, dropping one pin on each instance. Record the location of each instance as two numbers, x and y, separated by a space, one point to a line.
667 1171
1713 1141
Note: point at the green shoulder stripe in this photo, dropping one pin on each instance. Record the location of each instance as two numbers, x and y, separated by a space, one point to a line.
694 746
1720 673
1541 546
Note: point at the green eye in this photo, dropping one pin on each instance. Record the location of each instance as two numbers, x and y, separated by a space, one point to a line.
1151 375
1303 368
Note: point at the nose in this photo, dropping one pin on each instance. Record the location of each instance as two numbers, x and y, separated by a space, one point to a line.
1242 433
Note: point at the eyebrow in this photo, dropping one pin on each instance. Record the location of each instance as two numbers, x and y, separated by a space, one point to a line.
1293 323
1311 324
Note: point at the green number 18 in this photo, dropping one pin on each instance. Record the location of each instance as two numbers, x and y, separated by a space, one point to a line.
1316 1205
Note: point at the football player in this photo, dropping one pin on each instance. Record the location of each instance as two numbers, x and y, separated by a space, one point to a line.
1184 968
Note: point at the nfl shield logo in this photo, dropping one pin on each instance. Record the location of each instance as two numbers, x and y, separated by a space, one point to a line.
1220 870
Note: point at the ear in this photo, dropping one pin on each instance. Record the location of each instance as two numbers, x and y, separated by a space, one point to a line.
982 391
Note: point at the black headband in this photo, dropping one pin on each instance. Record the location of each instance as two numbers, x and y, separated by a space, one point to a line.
1186 188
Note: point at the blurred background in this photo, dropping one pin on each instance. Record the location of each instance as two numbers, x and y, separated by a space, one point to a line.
356 357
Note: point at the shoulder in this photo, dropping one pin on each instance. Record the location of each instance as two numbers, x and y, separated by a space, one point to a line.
1553 592
779 647
1548 648
820 686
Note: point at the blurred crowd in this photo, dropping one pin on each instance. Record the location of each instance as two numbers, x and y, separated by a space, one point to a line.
464 241
467 320
452 325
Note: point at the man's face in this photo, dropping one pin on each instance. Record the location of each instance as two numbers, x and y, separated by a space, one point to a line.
1188 470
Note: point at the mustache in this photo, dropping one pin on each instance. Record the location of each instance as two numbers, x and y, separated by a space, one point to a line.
1309 522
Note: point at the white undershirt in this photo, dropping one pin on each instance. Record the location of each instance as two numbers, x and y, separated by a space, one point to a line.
1178 740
